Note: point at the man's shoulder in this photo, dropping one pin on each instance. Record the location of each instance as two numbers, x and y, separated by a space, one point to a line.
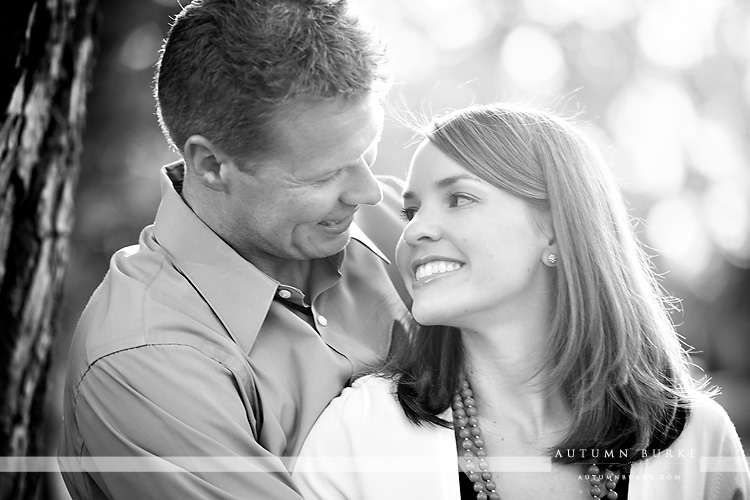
144 299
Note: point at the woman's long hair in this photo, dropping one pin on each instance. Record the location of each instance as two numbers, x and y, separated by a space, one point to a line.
614 352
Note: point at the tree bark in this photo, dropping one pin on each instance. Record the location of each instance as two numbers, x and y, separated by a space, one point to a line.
45 70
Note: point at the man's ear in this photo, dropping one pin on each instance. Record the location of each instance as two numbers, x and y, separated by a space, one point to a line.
207 162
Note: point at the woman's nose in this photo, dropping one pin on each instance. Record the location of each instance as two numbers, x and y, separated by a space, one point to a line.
422 228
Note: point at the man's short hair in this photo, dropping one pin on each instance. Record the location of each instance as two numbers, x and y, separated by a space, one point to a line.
230 68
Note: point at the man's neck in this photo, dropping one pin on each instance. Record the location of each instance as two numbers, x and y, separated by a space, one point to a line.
295 273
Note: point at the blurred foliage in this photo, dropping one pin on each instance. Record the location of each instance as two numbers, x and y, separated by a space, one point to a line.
662 85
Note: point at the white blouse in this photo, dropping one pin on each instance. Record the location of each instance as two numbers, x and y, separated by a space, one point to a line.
364 447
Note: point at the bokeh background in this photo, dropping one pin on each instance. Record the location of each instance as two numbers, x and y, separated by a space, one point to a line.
663 85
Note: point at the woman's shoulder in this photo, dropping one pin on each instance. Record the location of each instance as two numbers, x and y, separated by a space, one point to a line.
705 411
708 422
705 462
370 393
374 382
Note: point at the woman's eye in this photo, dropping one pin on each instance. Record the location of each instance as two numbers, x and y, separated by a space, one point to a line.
407 213
459 200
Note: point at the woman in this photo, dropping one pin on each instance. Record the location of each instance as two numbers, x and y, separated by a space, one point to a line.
542 356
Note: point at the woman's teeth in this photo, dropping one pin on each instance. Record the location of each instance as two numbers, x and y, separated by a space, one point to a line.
435 267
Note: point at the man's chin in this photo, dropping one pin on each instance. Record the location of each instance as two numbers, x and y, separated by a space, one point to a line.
332 245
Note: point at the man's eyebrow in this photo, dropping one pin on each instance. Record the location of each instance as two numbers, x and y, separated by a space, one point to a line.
443 183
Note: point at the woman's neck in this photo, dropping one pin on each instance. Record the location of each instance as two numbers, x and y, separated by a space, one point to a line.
506 369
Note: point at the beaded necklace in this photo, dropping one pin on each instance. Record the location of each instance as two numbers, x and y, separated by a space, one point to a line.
474 456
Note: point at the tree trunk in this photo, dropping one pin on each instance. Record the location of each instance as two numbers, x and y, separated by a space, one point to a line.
45 69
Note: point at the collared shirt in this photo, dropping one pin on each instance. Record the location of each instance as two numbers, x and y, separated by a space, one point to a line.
183 351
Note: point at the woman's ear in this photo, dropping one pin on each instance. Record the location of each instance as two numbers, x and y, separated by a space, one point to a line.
206 162
550 256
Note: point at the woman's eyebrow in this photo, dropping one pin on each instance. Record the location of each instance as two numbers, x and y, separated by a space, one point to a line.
442 184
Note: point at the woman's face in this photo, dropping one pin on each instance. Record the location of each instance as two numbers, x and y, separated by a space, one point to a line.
471 254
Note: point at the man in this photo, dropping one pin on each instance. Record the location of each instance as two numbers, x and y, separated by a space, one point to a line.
212 346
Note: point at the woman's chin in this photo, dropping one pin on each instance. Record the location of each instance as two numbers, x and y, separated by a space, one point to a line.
429 316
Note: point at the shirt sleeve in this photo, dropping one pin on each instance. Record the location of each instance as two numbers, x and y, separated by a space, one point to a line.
173 406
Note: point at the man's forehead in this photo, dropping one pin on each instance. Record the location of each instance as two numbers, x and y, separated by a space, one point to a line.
342 131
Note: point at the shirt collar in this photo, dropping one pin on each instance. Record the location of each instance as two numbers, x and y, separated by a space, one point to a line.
217 272
359 235
238 292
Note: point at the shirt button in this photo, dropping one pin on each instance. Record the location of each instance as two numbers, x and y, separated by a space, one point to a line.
285 294
322 320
